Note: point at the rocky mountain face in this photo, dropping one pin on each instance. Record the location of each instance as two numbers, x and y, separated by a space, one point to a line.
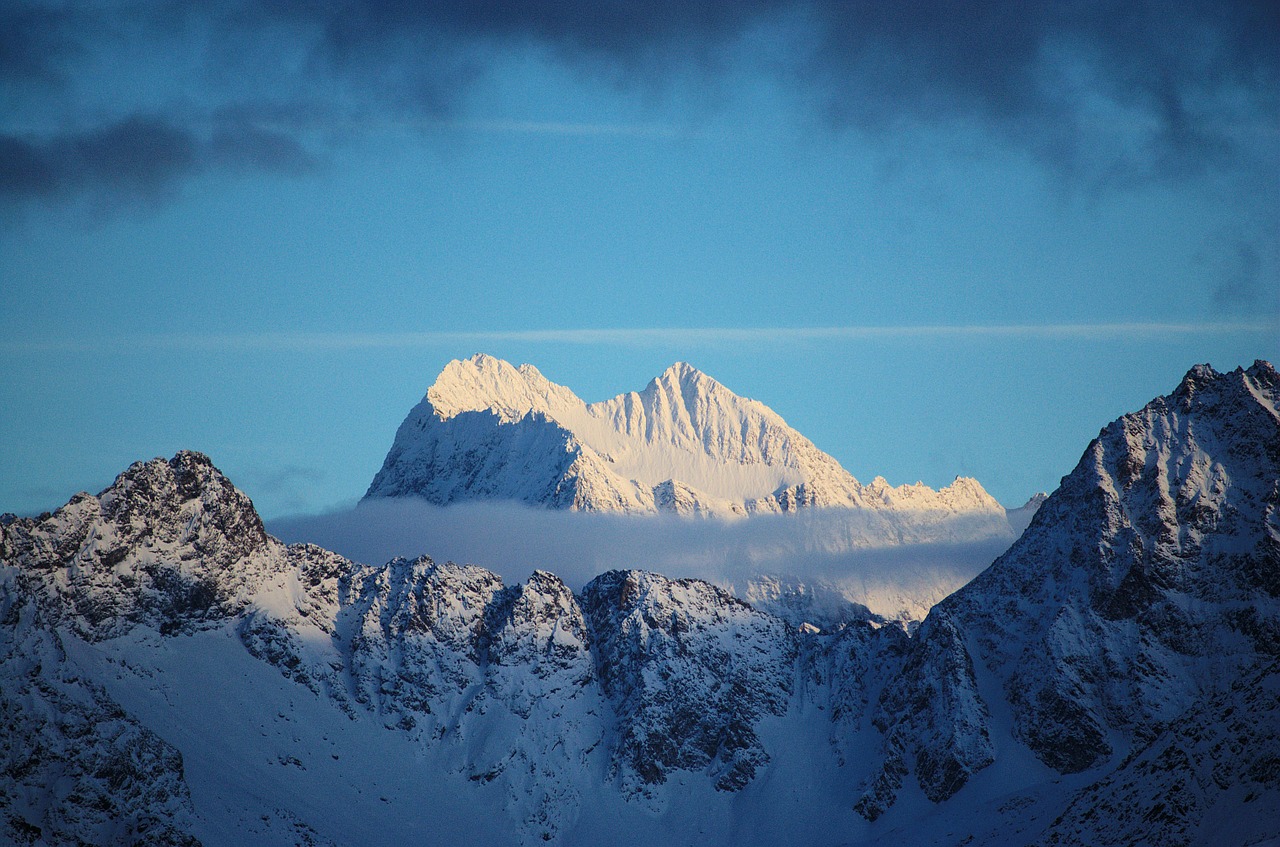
690 670
75 768
1145 587
1113 678
525 683
487 430
172 547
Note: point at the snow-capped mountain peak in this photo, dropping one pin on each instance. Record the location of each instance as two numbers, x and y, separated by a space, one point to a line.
489 430
1148 582
683 373
688 394
483 383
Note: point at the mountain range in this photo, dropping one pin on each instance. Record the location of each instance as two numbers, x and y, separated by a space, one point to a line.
170 673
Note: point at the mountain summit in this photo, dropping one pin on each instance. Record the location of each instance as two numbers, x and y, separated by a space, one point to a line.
1132 627
488 430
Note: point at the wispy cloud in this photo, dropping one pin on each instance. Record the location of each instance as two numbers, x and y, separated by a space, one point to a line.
694 337
564 128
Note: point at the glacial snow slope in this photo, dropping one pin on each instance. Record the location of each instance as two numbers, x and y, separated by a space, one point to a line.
171 674
487 430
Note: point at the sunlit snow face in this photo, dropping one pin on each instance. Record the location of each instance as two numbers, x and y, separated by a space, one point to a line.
686 444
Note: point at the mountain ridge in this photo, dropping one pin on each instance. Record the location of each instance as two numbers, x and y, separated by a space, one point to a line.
1114 676
486 429
1147 581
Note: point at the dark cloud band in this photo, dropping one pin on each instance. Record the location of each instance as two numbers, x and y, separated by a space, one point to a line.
138 157
1123 89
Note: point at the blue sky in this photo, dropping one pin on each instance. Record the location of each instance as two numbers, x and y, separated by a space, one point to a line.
939 239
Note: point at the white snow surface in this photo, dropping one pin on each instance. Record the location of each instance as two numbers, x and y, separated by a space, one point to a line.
487 429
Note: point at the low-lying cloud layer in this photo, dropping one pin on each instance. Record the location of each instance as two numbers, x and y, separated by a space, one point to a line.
513 540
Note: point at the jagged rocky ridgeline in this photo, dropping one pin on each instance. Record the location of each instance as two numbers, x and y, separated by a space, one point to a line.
1114 677
652 674
1145 587
487 430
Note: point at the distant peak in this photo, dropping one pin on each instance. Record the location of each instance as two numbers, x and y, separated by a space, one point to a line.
682 372
1035 501
1196 378
478 363
1264 372
487 382
685 376
684 443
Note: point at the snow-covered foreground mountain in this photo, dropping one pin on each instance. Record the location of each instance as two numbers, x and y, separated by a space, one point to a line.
487 430
171 674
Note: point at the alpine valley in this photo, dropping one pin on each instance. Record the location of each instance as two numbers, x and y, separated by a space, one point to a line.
170 673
